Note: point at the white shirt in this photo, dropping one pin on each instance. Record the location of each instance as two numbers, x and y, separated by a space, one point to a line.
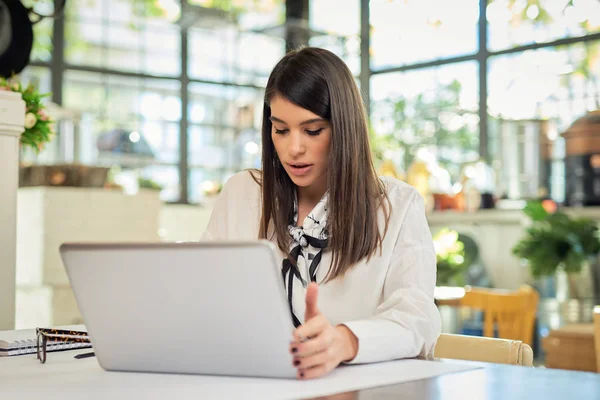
386 302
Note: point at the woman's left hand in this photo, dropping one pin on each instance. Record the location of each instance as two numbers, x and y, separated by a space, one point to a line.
317 346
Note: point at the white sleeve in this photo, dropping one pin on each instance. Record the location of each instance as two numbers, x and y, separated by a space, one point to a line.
236 212
407 322
218 223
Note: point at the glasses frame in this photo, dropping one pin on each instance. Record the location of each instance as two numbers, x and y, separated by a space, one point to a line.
45 335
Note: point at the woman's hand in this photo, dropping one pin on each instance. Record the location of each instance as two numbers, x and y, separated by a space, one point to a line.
317 346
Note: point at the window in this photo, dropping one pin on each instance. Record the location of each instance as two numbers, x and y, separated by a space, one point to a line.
130 122
432 110
408 32
224 133
519 22
97 35
339 24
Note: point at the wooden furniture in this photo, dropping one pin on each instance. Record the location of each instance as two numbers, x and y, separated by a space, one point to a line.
597 335
510 314
571 347
484 349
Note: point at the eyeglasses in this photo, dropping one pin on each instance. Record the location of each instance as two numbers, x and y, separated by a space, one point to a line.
57 336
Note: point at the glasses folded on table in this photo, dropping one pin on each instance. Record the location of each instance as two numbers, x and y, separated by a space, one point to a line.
59 339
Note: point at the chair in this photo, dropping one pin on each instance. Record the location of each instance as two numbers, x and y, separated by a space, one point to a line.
484 349
597 335
511 313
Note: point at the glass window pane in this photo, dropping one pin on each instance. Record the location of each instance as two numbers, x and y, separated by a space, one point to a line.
250 68
42 40
94 11
136 39
39 77
430 111
129 122
162 52
207 55
341 34
84 43
406 32
556 82
514 23
122 47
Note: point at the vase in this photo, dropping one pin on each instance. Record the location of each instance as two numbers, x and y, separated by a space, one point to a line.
12 121
582 285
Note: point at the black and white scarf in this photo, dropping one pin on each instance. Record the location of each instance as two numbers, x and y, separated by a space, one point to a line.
306 249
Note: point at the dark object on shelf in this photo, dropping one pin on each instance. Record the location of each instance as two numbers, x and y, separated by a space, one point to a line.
582 162
124 142
16 34
16 37
73 175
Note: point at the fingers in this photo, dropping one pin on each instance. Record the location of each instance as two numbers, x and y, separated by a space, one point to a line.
314 360
315 372
312 296
311 328
312 346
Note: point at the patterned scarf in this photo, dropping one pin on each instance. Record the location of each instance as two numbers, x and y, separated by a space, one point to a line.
306 248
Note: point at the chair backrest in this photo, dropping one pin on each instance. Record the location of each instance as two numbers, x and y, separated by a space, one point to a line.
511 313
476 348
597 335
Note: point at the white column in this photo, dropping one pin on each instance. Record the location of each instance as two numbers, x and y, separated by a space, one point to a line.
12 119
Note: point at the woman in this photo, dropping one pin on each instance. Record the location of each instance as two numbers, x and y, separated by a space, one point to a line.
358 261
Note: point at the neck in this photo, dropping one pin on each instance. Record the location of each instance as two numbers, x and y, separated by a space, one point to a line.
310 195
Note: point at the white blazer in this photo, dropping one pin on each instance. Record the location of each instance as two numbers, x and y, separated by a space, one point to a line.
386 302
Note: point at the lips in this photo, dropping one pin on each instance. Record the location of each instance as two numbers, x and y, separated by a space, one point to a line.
300 169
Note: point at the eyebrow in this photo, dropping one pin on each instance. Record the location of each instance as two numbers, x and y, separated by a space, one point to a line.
308 121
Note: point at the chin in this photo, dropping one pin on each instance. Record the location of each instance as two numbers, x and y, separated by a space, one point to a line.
302 181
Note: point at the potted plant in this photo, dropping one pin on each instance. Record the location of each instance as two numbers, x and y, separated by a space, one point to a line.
450 257
38 125
556 243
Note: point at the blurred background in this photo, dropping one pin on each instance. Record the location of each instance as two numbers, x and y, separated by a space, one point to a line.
488 107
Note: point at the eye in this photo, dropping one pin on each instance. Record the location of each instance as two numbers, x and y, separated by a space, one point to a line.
314 133
281 131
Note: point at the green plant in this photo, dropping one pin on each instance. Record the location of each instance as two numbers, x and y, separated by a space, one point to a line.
556 240
423 121
145 183
38 125
450 257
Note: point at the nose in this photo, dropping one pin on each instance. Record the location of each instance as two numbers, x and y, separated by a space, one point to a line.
296 145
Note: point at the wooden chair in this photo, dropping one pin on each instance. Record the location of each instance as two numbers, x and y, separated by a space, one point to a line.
511 313
475 348
597 335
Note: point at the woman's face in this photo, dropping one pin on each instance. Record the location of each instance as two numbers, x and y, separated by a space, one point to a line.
301 140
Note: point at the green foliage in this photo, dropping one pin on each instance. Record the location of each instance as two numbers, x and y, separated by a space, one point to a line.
38 125
557 240
145 183
417 123
454 254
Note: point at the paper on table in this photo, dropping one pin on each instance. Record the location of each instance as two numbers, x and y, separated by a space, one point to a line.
79 378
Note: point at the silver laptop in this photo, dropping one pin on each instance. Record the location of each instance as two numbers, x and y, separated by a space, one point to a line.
200 308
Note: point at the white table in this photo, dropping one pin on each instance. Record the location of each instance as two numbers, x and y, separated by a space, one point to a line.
64 377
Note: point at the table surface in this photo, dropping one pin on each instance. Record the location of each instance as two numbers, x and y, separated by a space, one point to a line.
493 382
64 378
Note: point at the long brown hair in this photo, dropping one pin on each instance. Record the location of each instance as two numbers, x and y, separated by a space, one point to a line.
317 80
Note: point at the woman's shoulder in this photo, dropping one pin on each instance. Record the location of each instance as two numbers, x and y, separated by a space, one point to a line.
399 192
243 182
